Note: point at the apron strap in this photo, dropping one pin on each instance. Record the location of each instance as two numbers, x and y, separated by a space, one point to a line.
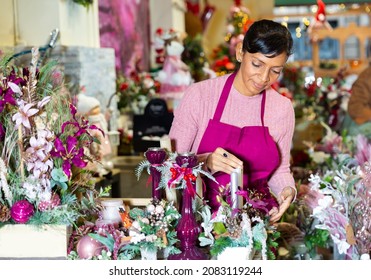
223 97
262 109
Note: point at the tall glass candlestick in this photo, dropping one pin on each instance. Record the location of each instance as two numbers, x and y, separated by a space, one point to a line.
156 156
236 185
187 228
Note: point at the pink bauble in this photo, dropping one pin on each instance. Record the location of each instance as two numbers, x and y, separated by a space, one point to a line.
88 247
22 211
50 204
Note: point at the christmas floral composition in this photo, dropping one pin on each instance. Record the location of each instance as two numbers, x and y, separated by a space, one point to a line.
42 144
135 92
345 206
153 229
247 227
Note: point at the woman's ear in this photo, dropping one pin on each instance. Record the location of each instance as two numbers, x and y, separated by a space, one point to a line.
239 52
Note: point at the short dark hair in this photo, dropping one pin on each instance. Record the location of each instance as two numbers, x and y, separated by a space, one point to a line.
269 38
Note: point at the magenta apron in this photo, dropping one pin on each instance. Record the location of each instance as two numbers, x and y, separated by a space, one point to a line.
251 144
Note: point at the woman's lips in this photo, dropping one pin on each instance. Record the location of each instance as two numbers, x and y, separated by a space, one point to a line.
258 86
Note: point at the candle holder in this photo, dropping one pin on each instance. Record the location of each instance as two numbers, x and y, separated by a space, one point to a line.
156 156
187 229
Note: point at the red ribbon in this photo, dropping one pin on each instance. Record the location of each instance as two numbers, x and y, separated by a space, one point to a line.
182 173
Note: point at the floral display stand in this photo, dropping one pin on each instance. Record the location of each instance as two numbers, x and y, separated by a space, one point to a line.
23 241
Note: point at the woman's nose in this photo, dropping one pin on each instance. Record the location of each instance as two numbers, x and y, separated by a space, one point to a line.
264 76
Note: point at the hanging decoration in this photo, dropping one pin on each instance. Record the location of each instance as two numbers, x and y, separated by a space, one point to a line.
207 13
319 22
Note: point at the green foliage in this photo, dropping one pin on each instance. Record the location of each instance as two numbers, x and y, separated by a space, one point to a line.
317 238
85 3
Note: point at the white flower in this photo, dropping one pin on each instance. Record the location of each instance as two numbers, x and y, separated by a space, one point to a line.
151 238
315 181
136 237
342 245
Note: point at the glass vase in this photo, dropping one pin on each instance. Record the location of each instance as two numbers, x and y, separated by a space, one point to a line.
188 229
156 156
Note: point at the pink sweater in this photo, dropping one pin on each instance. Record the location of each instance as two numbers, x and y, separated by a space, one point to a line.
198 106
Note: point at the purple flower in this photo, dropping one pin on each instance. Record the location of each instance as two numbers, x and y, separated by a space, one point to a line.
83 127
70 153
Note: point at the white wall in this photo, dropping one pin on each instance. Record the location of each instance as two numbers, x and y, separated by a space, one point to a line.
29 23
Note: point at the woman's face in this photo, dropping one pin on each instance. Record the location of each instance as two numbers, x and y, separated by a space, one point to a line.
258 72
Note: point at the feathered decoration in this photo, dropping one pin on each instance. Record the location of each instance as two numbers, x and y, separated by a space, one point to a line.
144 164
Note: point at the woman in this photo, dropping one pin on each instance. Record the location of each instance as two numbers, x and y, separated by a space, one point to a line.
239 121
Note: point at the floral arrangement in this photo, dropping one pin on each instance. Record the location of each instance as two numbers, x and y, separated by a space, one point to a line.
326 100
344 209
141 229
43 149
297 226
238 228
328 153
153 229
135 91
245 226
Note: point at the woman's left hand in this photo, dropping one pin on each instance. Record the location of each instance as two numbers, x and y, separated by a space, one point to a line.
284 201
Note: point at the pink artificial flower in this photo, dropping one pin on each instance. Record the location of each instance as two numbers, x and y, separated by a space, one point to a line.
23 115
363 153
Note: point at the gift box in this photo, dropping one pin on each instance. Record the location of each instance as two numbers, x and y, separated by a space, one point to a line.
24 241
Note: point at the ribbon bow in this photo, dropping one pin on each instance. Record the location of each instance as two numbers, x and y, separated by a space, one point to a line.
178 174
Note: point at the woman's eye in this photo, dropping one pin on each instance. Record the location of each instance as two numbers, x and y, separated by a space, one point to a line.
276 72
255 65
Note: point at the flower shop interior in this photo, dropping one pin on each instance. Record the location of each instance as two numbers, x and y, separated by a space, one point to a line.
88 91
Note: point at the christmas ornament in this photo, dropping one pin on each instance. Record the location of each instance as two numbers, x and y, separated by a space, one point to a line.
49 204
21 211
88 247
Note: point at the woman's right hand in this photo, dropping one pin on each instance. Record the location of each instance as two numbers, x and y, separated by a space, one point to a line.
222 160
